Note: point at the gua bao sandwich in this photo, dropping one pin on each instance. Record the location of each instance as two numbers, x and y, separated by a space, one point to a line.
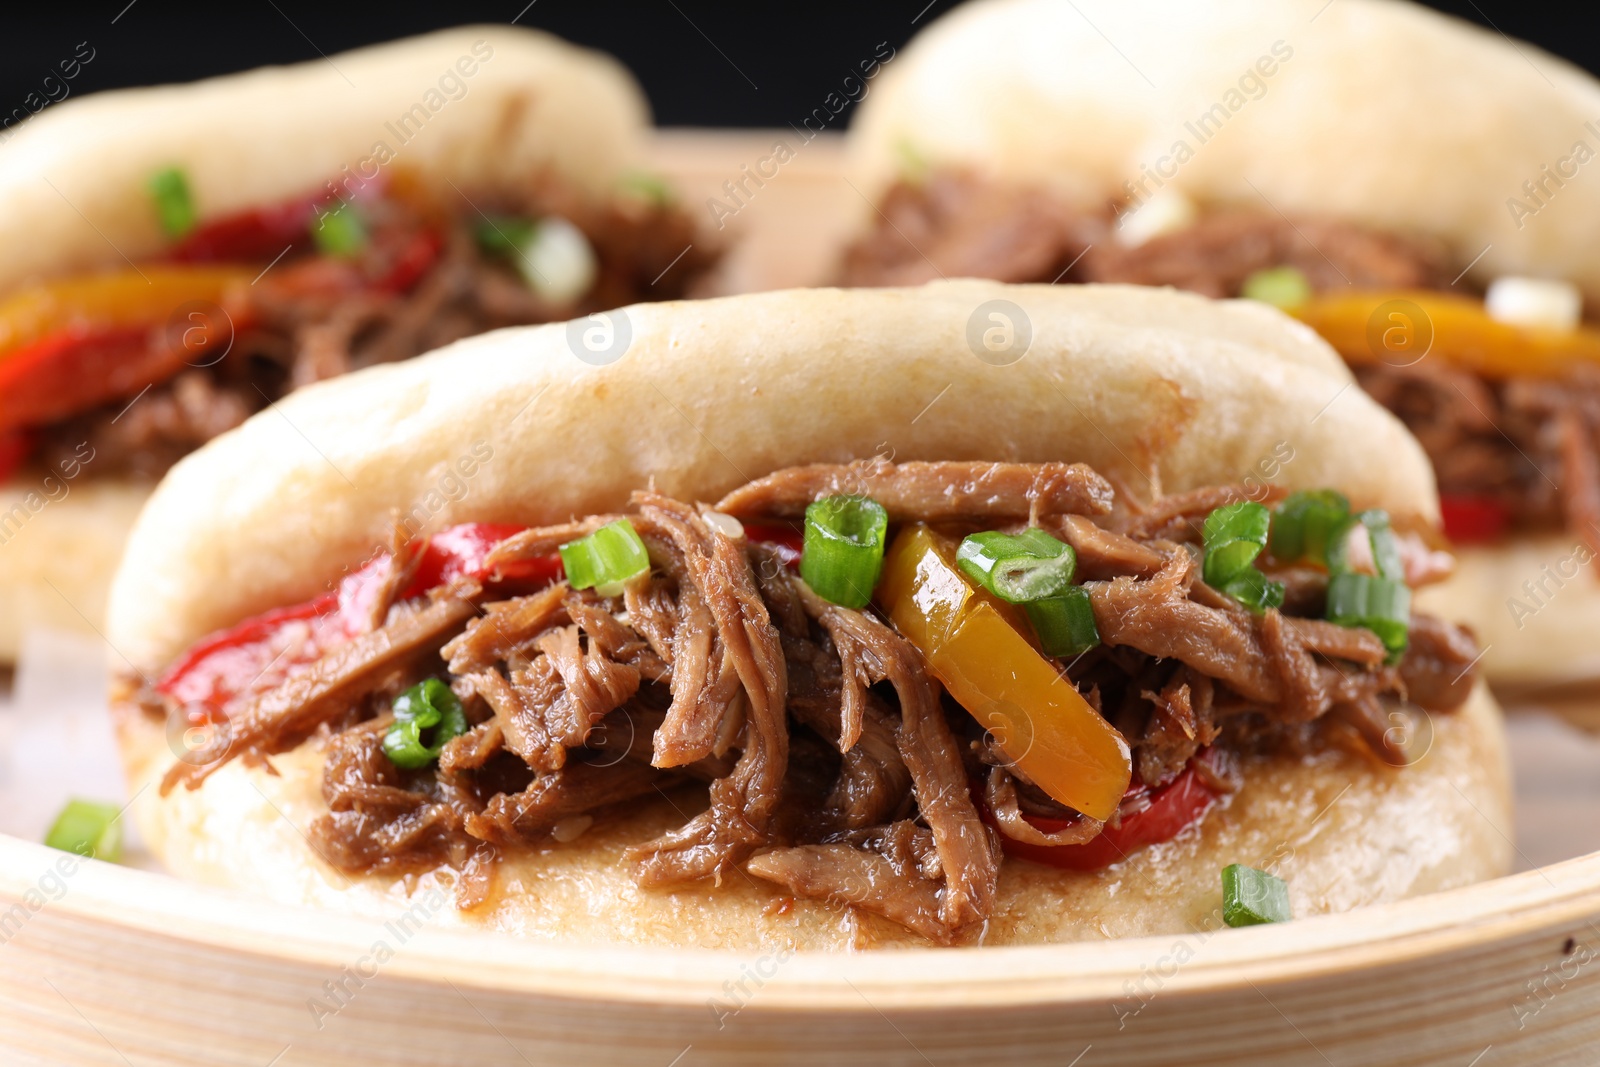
810 622
1413 187
174 259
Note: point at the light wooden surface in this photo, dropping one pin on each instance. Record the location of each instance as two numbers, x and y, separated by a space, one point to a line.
785 231
117 966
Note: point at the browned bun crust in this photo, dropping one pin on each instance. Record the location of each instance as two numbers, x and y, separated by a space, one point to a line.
708 394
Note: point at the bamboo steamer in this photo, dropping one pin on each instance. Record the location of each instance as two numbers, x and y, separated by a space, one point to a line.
129 967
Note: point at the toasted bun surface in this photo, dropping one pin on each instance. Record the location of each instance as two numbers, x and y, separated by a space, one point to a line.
1341 831
1377 111
73 181
711 393
707 395
60 542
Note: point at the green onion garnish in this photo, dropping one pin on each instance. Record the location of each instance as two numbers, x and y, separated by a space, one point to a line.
89 829
1035 570
1234 536
651 187
504 235
1065 623
1307 523
1251 897
1282 287
1254 590
1018 568
428 705
340 232
1385 546
1382 605
174 204
843 550
552 255
605 560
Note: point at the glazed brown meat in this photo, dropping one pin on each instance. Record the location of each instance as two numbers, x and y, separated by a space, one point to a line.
827 758
1527 447
307 327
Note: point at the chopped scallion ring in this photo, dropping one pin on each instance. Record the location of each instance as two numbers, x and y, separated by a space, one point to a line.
340 232
606 560
1282 287
1307 524
1018 568
429 705
1382 605
174 203
1234 536
88 828
1064 623
1254 590
1385 546
1251 897
843 551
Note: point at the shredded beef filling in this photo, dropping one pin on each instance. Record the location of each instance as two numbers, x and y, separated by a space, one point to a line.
1527 445
308 326
830 761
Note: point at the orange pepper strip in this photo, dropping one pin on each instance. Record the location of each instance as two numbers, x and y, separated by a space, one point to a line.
102 301
1401 328
976 646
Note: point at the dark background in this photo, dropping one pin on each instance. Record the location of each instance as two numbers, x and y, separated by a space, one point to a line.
754 63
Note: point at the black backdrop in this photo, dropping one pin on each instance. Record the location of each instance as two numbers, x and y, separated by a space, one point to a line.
753 63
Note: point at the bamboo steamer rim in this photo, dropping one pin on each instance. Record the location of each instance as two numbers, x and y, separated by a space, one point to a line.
109 896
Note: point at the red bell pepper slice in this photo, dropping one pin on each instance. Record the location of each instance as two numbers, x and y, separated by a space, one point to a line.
1473 520
1171 808
77 369
788 543
252 235
227 664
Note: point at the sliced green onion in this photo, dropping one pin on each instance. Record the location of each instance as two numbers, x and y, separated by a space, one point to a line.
428 705
1254 590
1251 897
1382 605
1385 546
504 235
340 232
552 255
1065 623
843 550
1018 568
606 560
89 829
1282 287
1234 536
1307 524
174 203
651 187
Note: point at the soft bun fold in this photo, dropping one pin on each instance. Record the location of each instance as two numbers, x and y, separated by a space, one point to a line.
498 104
1376 111
1141 383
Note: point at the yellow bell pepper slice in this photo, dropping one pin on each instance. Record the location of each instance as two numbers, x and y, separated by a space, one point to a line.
1402 328
147 296
978 648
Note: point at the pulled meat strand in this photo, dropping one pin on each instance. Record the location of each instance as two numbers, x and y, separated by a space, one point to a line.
1001 793
968 852
503 628
741 804
576 789
845 874
930 492
325 689
522 725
